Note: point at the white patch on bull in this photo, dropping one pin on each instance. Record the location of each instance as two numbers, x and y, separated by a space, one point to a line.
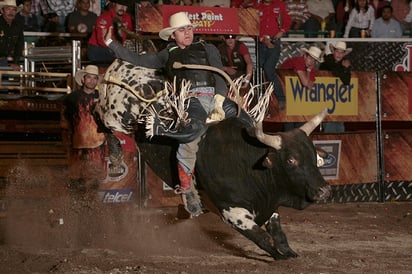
239 217
319 160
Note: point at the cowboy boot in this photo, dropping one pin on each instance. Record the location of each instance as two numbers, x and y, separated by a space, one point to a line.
190 197
184 134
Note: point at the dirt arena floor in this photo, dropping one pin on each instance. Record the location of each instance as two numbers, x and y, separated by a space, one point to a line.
73 235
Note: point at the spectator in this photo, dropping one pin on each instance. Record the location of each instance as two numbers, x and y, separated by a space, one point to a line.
299 12
305 65
62 8
386 26
337 62
51 25
305 68
98 52
215 3
52 22
343 9
173 2
378 6
242 3
274 23
322 14
407 20
208 89
11 35
340 66
87 144
27 17
40 9
361 18
81 20
236 58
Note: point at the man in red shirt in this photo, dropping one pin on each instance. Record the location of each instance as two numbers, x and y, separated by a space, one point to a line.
305 65
98 52
236 59
305 68
274 23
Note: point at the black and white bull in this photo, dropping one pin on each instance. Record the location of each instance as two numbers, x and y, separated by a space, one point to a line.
246 174
126 93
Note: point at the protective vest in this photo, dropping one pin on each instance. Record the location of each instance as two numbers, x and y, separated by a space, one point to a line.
193 54
237 59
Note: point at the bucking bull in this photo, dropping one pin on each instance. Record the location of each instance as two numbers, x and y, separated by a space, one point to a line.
246 174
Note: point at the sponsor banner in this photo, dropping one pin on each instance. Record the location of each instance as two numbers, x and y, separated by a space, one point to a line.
116 196
330 170
328 92
121 182
209 20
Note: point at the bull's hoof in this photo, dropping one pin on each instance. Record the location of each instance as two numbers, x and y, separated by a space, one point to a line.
284 253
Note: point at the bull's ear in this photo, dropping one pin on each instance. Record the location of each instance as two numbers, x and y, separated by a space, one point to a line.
269 160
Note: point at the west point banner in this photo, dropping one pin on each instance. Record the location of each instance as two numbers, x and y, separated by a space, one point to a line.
327 92
209 20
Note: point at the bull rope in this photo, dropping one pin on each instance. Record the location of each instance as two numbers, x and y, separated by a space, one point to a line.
178 65
113 80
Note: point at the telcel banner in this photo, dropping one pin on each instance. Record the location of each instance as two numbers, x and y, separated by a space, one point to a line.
327 92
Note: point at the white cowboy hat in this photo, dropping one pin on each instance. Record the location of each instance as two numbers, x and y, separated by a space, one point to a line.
177 20
9 3
90 69
315 52
340 45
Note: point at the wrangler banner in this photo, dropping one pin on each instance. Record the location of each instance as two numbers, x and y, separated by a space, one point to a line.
328 92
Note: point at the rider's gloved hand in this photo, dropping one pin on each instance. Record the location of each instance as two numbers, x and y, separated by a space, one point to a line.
218 114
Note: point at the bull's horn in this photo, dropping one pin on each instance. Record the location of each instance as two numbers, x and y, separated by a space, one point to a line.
310 126
274 141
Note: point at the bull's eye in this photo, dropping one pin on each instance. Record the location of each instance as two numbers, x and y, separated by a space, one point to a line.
292 161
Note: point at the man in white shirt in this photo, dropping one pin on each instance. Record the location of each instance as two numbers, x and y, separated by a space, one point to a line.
386 26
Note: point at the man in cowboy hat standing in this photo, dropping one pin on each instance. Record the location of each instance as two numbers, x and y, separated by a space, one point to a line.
340 66
97 50
208 91
86 163
11 35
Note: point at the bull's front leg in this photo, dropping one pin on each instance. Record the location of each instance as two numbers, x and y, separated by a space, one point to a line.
278 236
243 221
